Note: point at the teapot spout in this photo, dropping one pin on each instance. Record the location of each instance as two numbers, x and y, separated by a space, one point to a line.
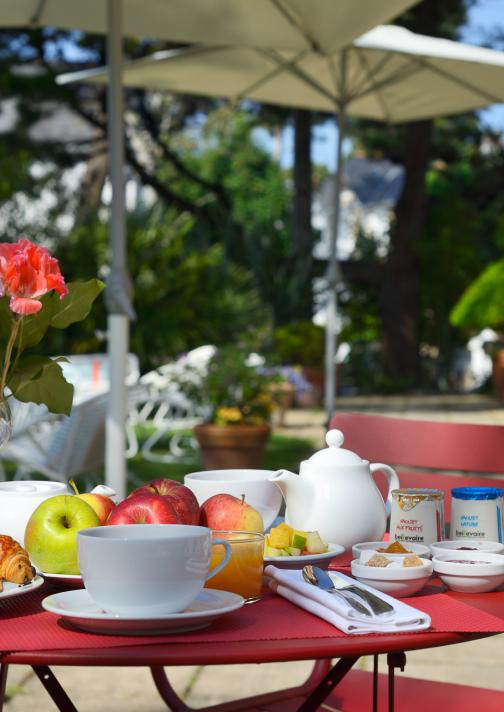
291 485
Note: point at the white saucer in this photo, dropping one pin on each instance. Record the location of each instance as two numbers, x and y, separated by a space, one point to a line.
68 580
17 589
78 608
297 562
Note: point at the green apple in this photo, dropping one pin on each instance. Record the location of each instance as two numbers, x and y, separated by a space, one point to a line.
51 533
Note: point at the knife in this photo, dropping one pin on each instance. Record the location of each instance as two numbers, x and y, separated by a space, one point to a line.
333 580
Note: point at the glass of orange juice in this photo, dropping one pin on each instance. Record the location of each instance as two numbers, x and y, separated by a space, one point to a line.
244 572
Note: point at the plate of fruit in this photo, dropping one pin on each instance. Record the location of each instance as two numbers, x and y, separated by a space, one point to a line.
289 548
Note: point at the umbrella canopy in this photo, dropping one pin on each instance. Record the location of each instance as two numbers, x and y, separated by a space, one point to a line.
292 25
324 25
388 74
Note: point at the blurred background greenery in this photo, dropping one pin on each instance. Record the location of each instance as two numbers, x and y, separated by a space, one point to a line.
220 241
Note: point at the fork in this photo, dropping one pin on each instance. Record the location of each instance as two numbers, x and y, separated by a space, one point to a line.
310 576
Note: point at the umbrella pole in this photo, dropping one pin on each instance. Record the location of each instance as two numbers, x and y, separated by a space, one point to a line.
332 276
118 323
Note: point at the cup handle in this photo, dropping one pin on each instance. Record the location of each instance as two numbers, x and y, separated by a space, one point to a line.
225 560
393 481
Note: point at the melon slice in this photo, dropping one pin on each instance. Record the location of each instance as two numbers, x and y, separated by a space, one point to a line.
314 544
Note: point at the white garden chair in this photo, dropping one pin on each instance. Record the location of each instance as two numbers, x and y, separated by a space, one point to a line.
169 409
65 447
171 413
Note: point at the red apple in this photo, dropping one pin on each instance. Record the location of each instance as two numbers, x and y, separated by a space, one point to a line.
178 495
102 505
223 511
144 509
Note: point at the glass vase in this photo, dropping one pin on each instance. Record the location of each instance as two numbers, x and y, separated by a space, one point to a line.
5 422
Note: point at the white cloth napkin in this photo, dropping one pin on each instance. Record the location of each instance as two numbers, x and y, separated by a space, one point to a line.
290 584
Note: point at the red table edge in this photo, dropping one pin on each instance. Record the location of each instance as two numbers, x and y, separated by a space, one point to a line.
266 651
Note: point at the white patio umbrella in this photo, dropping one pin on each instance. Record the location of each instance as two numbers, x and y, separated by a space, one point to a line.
388 74
295 25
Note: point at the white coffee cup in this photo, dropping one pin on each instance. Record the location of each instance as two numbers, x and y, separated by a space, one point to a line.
256 485
143 570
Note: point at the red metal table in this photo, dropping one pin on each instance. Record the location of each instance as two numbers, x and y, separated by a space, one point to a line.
307 697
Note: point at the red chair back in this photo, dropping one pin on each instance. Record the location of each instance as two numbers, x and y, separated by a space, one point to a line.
433 445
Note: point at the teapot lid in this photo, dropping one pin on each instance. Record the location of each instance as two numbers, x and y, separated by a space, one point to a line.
334 454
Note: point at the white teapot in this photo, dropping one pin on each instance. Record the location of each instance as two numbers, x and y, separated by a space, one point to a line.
335 494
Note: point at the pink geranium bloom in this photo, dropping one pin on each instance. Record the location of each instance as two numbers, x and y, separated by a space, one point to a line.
27 272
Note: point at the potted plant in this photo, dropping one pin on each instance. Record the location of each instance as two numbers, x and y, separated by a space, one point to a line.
482 306
236 396
302 344
33 299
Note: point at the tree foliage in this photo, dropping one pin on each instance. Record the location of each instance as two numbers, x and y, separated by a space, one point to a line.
445 226
215 255
183 296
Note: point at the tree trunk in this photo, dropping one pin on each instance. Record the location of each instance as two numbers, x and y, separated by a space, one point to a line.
92 185
400 293
302 274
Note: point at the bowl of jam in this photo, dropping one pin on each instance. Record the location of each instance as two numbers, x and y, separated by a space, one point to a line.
469 571
489 547
394 549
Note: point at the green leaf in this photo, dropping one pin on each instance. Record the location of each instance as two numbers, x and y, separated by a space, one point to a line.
34 327
77 303
482 303
5 319
39 379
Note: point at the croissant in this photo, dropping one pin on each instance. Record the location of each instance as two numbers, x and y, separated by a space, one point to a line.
14 562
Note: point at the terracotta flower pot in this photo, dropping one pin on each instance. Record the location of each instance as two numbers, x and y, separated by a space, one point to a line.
498 373
229 446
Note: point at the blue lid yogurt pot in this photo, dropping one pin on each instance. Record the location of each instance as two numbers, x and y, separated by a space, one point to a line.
477 492
477 513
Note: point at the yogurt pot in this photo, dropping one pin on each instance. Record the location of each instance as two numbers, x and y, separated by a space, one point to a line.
417 515
477 513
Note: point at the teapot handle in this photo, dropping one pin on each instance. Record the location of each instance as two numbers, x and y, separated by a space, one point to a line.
392 478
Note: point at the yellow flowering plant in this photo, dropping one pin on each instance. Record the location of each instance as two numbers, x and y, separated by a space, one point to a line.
234 391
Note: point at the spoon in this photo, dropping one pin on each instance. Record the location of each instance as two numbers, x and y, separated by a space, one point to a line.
310 576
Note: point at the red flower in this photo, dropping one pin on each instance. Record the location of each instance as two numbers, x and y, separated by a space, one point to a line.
27 272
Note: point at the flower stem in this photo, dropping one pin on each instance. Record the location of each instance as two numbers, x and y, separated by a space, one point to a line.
8 353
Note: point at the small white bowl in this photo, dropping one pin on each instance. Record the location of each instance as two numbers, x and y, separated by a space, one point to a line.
470 577
418 549
259 492
398 582
489 547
